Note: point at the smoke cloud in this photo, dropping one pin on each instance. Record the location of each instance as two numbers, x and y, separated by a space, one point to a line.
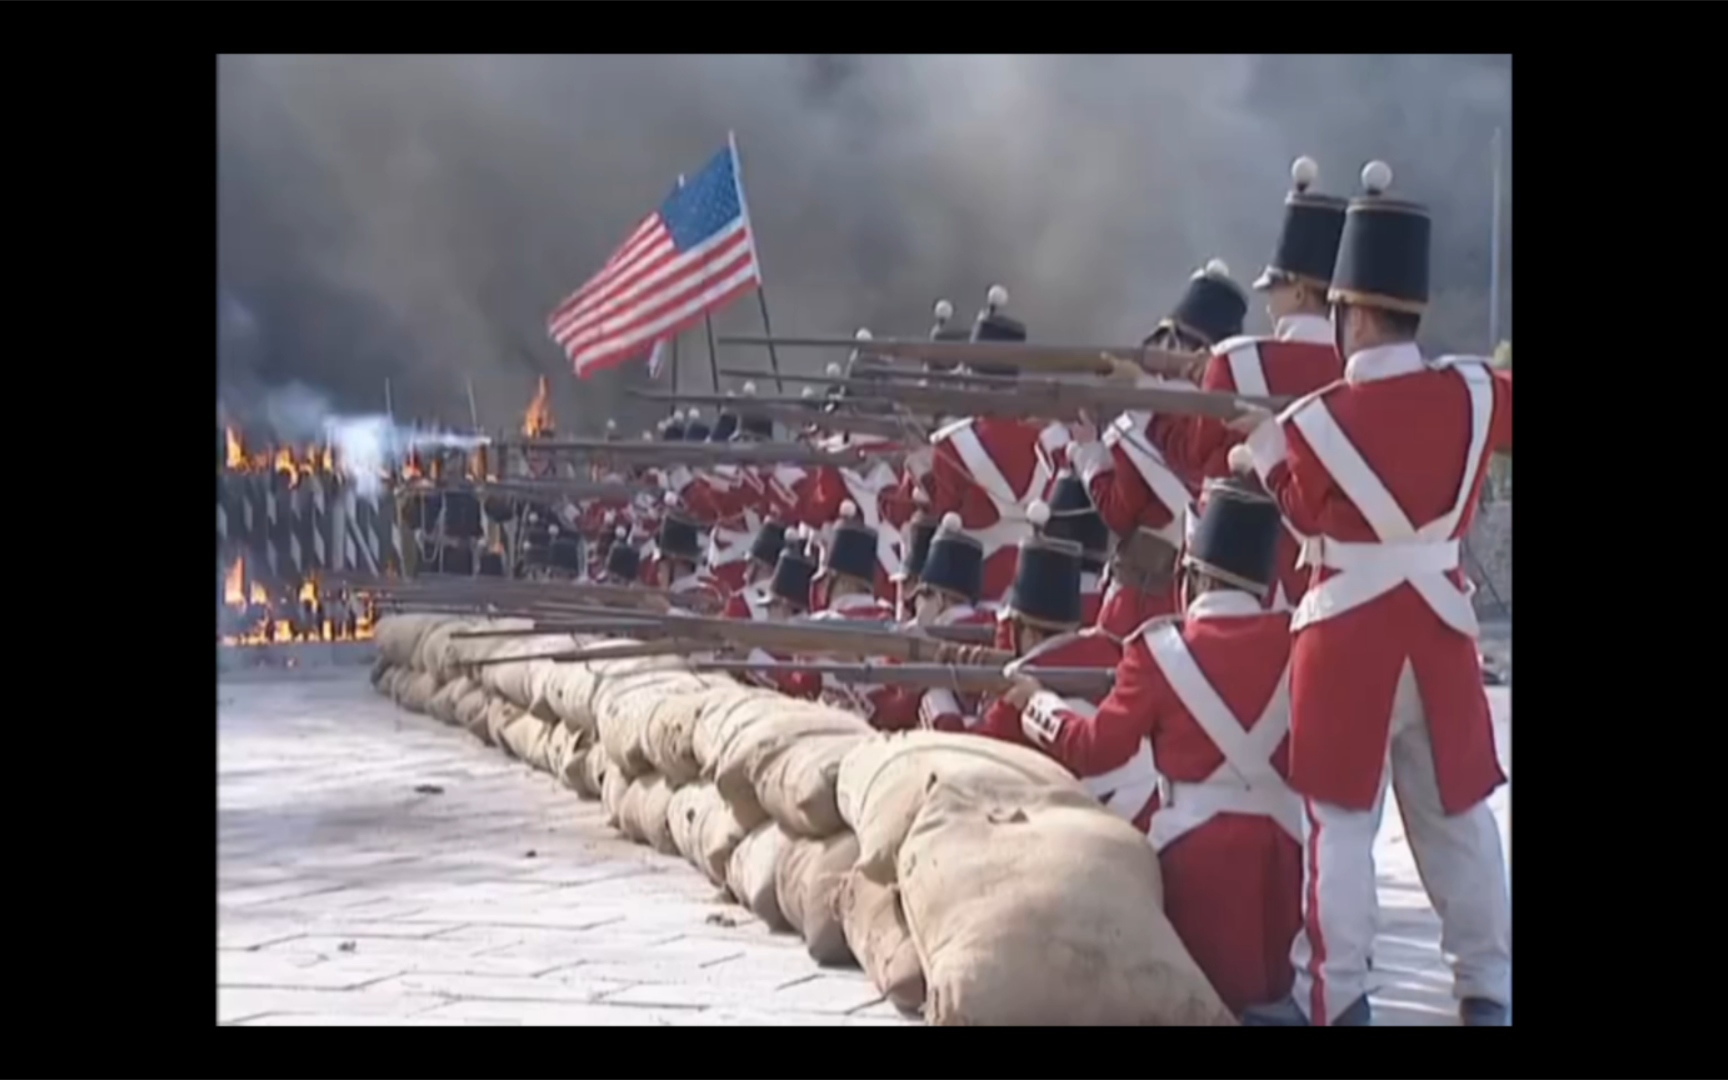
413 219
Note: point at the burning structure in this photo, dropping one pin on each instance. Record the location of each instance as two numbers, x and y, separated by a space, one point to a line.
294 522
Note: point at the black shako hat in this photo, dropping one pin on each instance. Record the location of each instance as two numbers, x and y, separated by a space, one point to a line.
1073 517
793 574
1212 308
623 562
766 545
992 325
945 330
1236 536
725 426
1307 247
955 561
1046 589
679 537
1383 252
694 429
672 428
853 550
919 532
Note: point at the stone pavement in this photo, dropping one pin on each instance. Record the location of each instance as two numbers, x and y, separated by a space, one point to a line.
376 867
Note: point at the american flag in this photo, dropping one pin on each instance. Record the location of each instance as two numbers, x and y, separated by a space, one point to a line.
692 255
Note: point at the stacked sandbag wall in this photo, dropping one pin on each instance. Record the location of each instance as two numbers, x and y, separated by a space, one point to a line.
974 881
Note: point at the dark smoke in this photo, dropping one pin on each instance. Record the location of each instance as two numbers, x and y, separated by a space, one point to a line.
414 218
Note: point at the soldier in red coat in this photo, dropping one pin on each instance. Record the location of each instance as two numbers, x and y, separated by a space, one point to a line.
915 543
1071 516
1208 697
752 601
1138 494
946 594
1040 623
845 590
788 597
676 559
1299 358
1382 470
987 469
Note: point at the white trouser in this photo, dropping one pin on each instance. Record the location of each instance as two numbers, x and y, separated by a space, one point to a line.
1459 859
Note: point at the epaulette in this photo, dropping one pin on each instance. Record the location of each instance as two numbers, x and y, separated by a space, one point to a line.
1156 623
947 430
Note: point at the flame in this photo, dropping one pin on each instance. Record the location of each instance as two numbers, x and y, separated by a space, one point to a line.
538 422
234 585
306 618
236 451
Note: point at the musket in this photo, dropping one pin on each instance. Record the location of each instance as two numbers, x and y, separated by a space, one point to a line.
804 636
1059 399
706 453
1087 682
529 489
677 623
551 594
1069 359
616 650
800 412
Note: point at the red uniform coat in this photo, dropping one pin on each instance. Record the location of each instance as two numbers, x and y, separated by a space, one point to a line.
1130 482
1297 360
938 708
700 583
881 705
1122 610
988 470
1208 700
815 496
1383 470
1087 648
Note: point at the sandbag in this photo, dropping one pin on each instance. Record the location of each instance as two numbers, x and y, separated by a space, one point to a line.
624 704
519 683
669 740
648 804
795 782
1037 907
442 655
414 691
614 786
883 781
529 738
471 707
443 703
387 681
806 880
763 727
380 664
591 774
398 636
715 830
750 874
499 715
876 932
569 690
681 819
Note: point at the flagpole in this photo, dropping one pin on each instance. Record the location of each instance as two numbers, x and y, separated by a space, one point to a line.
713 361
675 338
755 257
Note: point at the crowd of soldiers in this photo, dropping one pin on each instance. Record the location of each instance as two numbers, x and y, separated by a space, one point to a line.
1279 595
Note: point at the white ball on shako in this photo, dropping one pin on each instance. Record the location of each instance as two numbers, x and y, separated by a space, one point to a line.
944 311
863 335
848 509
677 416
1376 177
621 532
951 522
671 498
835 371
1304 171
1038 513
749 389
553 529
693 414
809 392
997 296
611 425
1217 268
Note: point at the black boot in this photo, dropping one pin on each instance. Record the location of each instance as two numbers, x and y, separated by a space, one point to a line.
1481 1012
1286 1014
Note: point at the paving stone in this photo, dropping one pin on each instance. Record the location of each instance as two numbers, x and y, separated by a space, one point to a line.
321 840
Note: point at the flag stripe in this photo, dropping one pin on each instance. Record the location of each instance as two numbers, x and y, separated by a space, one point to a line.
668 282
692 255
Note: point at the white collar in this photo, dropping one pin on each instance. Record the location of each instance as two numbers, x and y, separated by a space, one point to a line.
1314 329
1384 362
852 602
1224 604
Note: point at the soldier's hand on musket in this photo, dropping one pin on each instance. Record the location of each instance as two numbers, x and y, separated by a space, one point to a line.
1195 370
1021 692
1251 417
1085 429
1126 370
